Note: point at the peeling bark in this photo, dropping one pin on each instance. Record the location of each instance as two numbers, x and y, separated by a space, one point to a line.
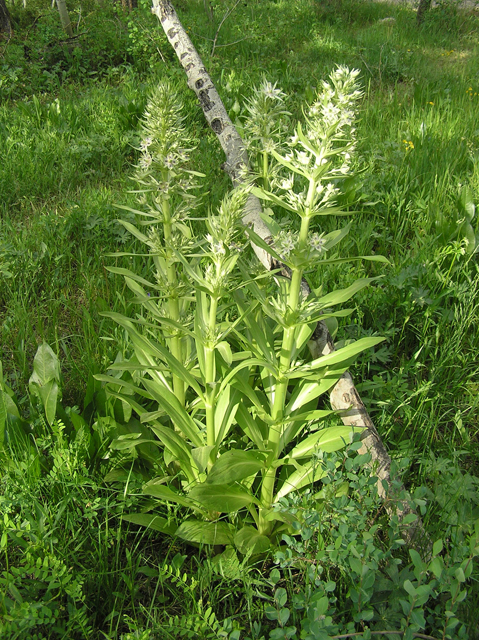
344 396
5 24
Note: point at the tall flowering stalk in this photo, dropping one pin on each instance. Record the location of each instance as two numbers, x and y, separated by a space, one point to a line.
166 191
316 158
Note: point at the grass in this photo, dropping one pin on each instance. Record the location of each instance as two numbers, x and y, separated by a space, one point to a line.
68 131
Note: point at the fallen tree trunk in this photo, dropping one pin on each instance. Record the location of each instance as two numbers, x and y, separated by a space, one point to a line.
344 396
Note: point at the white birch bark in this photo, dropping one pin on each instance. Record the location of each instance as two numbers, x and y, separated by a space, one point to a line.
344 396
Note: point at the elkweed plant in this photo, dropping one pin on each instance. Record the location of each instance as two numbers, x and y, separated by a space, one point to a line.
228 394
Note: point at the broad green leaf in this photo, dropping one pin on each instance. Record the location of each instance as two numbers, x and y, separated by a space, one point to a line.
305 475
151 521
466 203
160 491
49 395
235 465
249 540
46 366
225 351
222 498
247 364
201 456
437 547
329 439
303 334
436 566
212 533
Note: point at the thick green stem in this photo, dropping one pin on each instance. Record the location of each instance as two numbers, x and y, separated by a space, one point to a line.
210 379
265 171
281 388
173 304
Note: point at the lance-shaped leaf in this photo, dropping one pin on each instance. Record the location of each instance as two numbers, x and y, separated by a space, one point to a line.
200 532
130 440
343 295
176 367
249 540
134 232
145 348
128 386
259 242
133 276
303 334
333 238
306 391
262 339
256 431
180 417
226 406
337 357
329 439
223 498
151 521
235 465
301 477
297 423
179 450
165 494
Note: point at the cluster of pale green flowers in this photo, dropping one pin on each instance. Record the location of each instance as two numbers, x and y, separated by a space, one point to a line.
332 116
165 150
286 243
267 117
225 241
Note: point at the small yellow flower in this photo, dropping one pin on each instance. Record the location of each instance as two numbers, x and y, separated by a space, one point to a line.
431 103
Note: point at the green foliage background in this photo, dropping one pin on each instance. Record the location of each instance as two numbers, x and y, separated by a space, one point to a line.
68 130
